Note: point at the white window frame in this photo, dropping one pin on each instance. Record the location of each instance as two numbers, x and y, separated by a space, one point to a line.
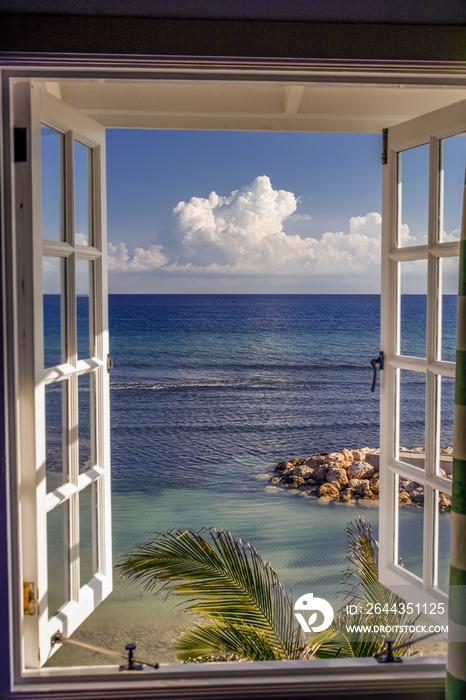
34 107
285 677
428 129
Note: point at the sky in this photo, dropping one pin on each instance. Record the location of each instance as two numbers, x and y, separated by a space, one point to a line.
255 212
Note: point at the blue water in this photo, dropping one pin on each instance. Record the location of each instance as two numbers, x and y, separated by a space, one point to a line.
209 392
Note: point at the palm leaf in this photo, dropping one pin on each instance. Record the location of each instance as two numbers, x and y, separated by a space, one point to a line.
225 642
221 578
362 586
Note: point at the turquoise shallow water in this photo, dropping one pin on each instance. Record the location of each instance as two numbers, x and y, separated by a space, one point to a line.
208 393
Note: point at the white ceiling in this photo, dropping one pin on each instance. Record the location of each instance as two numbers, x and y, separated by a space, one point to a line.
251 105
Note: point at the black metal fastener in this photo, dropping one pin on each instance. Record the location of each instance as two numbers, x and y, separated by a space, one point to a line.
131 665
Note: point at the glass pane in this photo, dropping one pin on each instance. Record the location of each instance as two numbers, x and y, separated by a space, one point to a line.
86 432
87 533
452 159
413 174
58 557
52 169
413 307
444 539
82 194
410 526
447 407
84 305
449 296
56 421
53 278
412 417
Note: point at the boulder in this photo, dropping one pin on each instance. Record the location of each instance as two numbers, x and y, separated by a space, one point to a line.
353 484
360 470
303 471
275 480
320 472
347 455
374 483
363 489
281 466
359 455
444 502
336 474
336 483
315 460
410 486
403 498
417 496
293 481
345 497
328 491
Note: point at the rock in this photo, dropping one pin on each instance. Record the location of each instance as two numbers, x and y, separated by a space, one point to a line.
410 486
320 472
281 466
363 489
293 481
334 458
309 489
336 484
417 496
444 502
328 491
315 460
403 498
442 472
346 497
353 484
446 450
359 455
347 455
374 483
360 470
336 474
275 480
303 471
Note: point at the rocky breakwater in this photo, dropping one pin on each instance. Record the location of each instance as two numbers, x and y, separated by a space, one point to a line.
348 476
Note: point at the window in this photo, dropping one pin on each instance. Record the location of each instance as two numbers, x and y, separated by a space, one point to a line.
64 376
63 386
421 238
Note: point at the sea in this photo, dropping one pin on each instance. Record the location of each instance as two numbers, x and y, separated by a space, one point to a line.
208 394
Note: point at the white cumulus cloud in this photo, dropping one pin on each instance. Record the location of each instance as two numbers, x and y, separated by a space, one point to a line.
243 233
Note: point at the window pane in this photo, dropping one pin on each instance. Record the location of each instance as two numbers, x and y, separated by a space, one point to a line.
412 417
56 411
413 174
58 557
82 194
452 159
86 432
413 307
410 526
449 297
447 407
51 143
444 539
53 278
84 305
87 533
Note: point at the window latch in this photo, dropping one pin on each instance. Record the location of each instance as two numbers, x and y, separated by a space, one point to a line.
29 598
110 363
374 362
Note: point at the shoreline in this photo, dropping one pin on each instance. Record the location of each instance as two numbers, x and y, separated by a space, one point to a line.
352 476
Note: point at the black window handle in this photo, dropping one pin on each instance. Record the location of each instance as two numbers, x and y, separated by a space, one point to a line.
374 362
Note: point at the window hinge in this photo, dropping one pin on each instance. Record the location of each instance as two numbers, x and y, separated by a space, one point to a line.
384 146
21 144
110 363
29 598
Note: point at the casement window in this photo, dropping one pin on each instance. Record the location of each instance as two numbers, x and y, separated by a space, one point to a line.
60 512
63 383
417 378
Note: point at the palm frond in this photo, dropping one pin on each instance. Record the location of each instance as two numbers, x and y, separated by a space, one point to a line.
225 642
219 577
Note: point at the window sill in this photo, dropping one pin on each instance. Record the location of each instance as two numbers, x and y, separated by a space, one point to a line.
416 677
